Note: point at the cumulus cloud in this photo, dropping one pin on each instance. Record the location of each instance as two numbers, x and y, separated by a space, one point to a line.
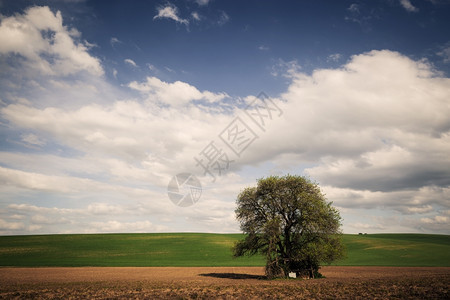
42 182
170 11
127 140
419 210
370 104
40 37
410 201
7 226
435 224
436 220
39 219
387 169
374 132
177 93
88 126
115 157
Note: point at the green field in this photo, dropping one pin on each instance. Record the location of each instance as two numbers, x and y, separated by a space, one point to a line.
201 249
408 250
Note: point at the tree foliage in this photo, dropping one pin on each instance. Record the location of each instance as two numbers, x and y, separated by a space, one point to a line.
290 222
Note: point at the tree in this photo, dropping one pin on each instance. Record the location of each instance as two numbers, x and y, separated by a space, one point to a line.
288 220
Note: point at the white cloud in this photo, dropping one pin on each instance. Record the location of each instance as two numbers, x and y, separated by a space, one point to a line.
362 15
389 168
16 217
195 16
367 105
364 226
107 158
410 201
176 94
169 69
435 224
7 226
116 226
39 209
47 45
40 220
436 220
420 209
125 139
202 2
170 12
58 220
334 57
130 62
374 132
408 6
41 182
359 129
445 53
34 227
285 68
152 67
114 41
32 139
263 48
104 209
95 126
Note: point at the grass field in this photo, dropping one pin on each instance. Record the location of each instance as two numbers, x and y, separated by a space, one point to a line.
201 249
397 250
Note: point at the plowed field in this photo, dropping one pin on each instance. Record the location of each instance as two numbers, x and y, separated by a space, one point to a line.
222 283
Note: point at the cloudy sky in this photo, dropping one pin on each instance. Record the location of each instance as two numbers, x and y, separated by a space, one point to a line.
102 103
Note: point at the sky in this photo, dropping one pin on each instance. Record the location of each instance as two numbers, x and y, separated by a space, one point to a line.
152 116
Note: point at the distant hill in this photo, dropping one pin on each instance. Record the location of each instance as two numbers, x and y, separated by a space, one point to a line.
205 249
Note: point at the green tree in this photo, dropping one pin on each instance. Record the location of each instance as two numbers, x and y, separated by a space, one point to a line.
288 220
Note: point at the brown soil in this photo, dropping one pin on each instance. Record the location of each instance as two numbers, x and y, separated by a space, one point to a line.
222 283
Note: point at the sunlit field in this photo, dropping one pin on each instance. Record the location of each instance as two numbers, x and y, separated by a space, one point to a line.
205 250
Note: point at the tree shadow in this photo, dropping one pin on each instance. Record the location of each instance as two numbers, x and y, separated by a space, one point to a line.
234 276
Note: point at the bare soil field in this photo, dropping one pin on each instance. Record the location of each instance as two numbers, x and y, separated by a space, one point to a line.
222 283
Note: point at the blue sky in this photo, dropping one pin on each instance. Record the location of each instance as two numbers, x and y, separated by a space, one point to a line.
103 102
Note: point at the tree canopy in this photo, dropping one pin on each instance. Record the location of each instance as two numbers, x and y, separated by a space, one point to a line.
289 220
